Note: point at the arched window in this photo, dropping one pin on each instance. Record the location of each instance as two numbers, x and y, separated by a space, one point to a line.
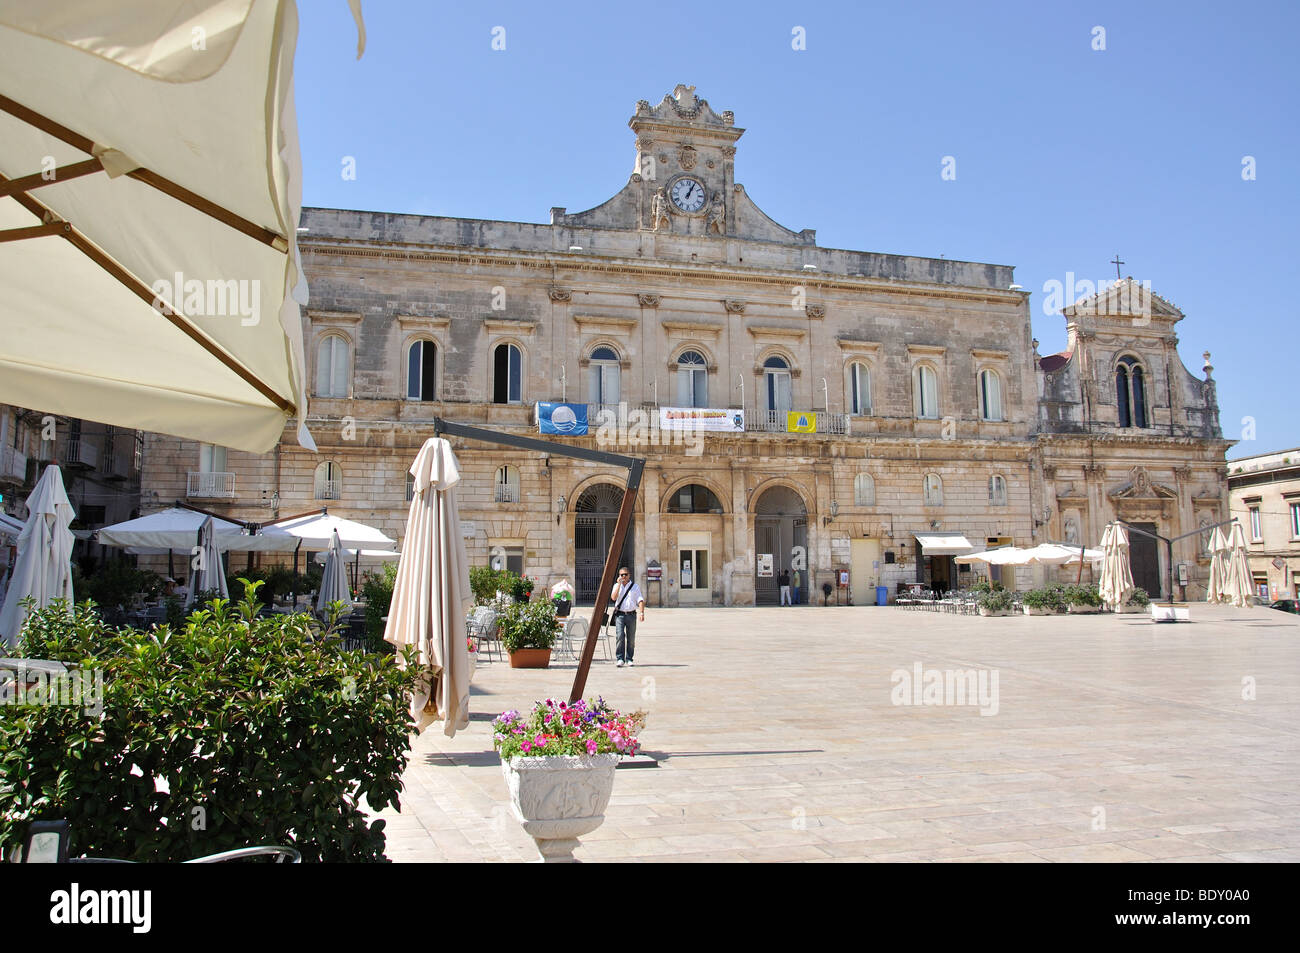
997 491
332 366
604 370
410 486
932 490
507 374
693 498
692 380
925 392
776 385
990 396
329 481
864 490
507 485
421 363
859 389
1131 393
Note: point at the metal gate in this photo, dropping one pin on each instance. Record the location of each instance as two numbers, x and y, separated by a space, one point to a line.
1144 560
593 528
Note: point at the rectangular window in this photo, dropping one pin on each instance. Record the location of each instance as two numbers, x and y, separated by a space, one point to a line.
1256 529
1295 520
212 459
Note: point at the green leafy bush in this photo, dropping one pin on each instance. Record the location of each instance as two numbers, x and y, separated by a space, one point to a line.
999 600
529 625
377 590
985 585
114 583
1082 596
1139 597
486 582
1050 597
262 728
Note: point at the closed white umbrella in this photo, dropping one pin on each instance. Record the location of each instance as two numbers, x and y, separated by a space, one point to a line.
432 588
206 571
334 580
1116 583
1219 550
1237 581
43 570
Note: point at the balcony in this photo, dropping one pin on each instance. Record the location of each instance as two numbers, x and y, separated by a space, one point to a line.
775 421
507 493
210 486
329 489
13 465
81 455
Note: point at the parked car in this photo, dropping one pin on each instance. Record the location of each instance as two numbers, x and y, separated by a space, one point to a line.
1287 605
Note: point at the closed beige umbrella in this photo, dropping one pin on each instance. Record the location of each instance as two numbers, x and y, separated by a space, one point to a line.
1218 566
1116 583
1237 582
432 589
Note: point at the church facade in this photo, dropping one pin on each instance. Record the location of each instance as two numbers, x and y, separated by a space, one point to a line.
868 416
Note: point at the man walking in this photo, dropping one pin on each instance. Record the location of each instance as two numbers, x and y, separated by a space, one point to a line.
629 603
783 581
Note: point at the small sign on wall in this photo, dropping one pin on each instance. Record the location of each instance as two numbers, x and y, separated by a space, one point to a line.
765 565
468 529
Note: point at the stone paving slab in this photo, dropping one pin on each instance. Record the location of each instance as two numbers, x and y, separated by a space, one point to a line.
779 740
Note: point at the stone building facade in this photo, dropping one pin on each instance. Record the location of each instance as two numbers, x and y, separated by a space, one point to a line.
1264 494
925 422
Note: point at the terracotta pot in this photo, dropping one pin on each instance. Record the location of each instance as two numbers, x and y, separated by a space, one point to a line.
530 658
558 799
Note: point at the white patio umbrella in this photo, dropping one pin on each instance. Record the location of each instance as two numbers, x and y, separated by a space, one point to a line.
1005 556
1219 550
150 188
334 580
1237 581
1056 554
43 570
206 571
175 528
432 588
316 531
1116 583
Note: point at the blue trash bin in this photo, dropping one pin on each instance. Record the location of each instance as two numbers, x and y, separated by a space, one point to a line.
882 595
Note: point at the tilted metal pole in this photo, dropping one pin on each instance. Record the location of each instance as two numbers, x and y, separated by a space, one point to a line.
635 467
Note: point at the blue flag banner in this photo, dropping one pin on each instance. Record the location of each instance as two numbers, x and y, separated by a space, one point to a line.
567 420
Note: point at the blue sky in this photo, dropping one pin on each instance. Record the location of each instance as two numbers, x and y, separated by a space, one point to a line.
1065 155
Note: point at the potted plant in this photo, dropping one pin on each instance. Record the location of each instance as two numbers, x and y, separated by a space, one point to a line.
1083 600
1038 602
996 602
471 646
528 631
563 603
558 761
1138 601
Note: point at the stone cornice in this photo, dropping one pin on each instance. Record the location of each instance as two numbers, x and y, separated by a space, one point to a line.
333 317
507 326
692 327
439 322
646 271
985 354
849 346
604 321
776 331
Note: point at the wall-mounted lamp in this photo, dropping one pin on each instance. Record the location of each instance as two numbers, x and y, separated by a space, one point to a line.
835 511
559 506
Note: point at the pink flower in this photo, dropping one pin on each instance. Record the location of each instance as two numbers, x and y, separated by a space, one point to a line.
539 742
591 746
527 747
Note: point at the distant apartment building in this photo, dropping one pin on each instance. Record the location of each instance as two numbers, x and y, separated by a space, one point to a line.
100 466
1264 493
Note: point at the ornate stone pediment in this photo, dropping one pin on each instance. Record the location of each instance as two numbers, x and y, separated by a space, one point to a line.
1141 488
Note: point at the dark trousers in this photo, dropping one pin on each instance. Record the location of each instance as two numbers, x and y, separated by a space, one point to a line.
625 632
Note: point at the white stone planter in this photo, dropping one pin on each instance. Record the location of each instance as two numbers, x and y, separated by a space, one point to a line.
1034 610
558 799
1131 610
994 612
1084 610
1170 613
473 665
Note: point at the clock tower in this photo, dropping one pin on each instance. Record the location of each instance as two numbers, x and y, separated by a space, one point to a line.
683 185
685 158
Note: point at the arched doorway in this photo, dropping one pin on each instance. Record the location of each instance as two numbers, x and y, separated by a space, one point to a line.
780 532
593 530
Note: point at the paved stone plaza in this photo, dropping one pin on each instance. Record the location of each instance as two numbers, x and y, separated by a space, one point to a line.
1114 739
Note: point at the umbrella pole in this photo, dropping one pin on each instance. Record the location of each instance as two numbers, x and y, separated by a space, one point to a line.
171 573
295 573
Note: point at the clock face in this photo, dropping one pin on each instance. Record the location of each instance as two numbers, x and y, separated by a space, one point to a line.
688 194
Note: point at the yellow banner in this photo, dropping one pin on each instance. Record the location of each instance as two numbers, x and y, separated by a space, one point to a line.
798 422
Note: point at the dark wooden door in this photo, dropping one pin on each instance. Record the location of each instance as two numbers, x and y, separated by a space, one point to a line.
1145 560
